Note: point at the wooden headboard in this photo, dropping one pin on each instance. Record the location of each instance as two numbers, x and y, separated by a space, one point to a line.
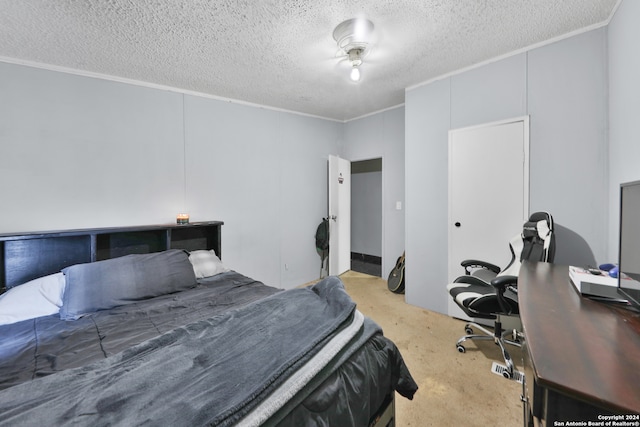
27 256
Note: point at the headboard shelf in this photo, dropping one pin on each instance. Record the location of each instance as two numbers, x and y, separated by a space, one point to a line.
26 256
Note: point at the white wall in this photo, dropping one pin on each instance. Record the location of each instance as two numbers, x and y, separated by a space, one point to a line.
265 174
427 126
81 152
624 109
490 93
567 101
382 136
562 87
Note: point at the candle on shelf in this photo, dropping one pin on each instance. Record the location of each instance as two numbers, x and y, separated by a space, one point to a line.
182 218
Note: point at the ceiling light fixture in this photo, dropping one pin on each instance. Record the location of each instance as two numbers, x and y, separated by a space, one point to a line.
355 74
355 57
354 37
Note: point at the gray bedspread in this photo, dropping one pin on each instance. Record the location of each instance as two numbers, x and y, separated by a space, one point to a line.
43 346
208 372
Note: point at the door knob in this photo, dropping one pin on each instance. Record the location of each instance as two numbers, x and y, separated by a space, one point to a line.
457 224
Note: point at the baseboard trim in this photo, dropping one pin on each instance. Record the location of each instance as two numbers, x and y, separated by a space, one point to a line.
371 259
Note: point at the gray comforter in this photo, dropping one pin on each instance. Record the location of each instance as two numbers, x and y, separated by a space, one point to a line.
213 371
43 346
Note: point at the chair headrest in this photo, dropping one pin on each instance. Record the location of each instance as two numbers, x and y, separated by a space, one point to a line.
540 225
529 230
542 216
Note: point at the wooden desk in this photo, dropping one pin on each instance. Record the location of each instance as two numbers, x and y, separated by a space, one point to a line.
582 357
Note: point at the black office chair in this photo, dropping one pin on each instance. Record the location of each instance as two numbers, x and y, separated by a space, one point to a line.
487 292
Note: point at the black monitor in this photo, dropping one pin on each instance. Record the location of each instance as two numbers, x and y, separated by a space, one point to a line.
629 243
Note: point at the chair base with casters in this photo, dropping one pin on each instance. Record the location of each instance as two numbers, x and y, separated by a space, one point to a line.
499 337
469 289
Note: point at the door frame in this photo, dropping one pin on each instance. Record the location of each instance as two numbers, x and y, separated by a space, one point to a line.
454 310
382 210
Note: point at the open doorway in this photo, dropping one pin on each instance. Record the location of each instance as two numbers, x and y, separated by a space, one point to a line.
366 216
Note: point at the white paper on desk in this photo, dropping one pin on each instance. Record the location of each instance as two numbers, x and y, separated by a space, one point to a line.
580 275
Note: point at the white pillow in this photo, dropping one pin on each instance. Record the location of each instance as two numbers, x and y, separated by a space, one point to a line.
39 297
206 264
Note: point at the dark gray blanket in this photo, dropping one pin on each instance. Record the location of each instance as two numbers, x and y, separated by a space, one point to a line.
211 371
43 346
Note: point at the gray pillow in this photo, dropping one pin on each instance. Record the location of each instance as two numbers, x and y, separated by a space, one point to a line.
105 284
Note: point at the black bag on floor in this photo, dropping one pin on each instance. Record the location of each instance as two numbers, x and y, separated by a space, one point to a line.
322 241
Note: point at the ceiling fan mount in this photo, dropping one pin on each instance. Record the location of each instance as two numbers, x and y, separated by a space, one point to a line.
355 56
355 33
354 38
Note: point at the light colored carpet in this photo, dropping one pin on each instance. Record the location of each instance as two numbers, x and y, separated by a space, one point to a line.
456 389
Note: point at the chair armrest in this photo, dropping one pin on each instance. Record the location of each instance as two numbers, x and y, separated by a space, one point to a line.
470 264
501 282
471 280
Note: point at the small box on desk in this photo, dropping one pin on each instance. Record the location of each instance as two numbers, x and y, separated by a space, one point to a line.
579 275
599 285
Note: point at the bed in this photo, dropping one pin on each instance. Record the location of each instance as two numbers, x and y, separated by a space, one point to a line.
147 325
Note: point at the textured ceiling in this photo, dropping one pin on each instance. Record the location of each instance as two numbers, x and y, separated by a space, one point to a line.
281 53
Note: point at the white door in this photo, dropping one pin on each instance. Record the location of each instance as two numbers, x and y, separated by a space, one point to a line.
339 215
488 193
